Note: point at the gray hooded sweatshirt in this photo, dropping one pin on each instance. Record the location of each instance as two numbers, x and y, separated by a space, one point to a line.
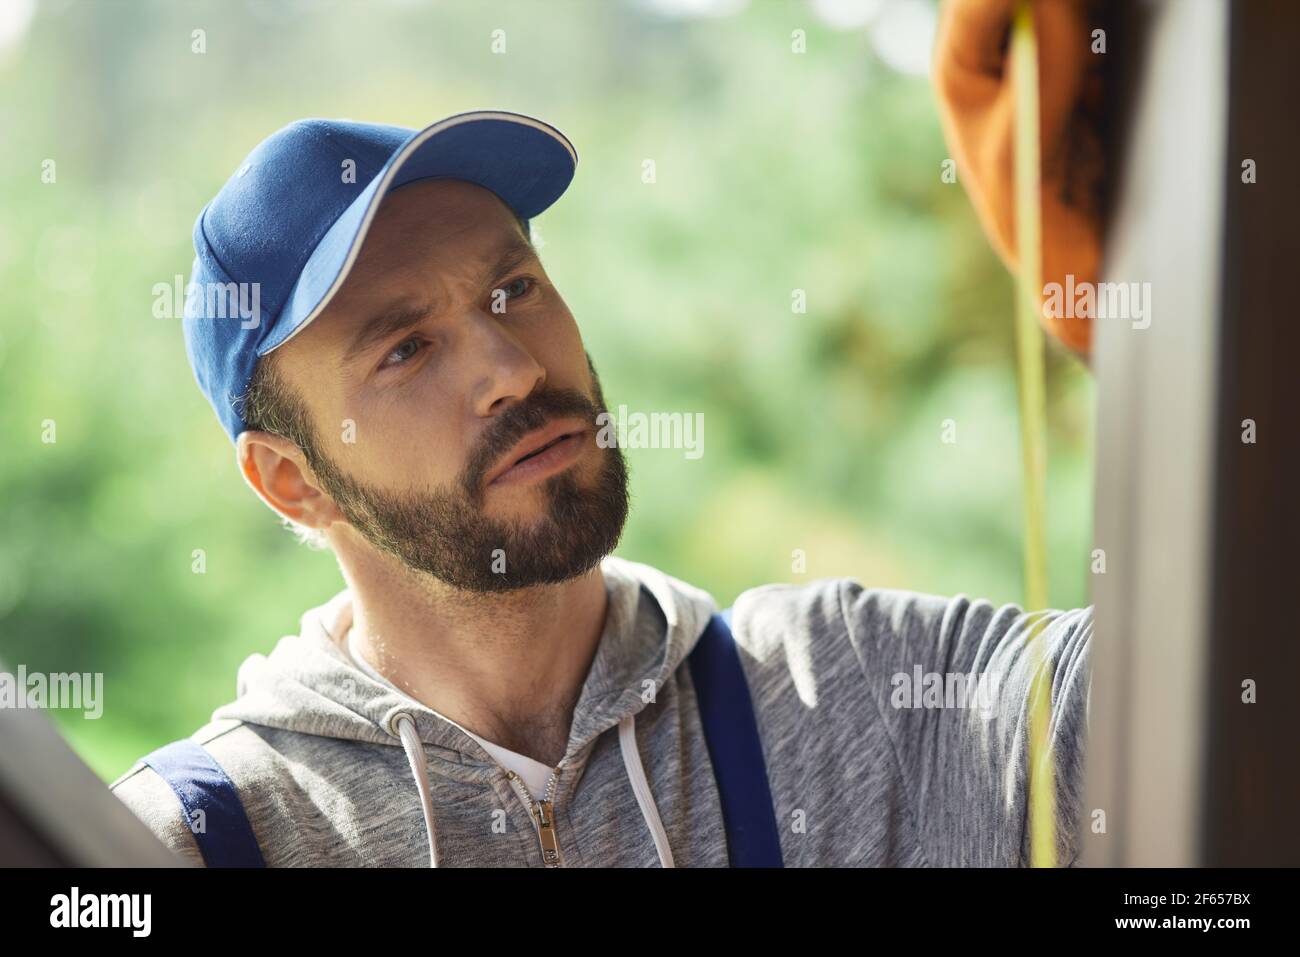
893 724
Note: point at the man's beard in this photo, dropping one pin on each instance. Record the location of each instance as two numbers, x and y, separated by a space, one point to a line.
445 534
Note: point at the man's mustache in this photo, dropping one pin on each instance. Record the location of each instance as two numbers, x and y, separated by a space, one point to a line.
517 421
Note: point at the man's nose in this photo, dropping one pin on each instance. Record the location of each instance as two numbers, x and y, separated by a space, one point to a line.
507 372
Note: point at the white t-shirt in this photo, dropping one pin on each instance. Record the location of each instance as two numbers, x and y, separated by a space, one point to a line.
535 775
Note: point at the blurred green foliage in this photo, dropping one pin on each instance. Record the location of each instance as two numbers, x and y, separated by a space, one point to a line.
775 171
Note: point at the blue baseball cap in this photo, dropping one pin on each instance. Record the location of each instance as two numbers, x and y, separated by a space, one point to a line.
276 243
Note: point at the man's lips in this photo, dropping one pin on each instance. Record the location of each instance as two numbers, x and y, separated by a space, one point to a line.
541 451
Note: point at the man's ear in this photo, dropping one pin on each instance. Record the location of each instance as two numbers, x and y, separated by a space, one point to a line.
277 471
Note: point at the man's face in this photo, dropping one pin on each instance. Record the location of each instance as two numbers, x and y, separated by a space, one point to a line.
446 356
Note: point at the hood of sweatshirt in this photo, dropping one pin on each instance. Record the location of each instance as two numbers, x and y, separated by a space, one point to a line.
310 685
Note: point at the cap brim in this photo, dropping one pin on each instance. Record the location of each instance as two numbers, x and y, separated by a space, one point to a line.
527 163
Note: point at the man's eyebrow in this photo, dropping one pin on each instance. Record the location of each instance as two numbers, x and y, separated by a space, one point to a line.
513 254
391 321
380 327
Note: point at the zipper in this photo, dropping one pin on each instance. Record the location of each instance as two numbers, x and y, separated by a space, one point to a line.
542 813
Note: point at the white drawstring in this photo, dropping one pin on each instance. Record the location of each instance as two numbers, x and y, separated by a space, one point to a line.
414 749
641 788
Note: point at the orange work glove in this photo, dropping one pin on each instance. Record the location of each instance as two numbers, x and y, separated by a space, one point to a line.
972 75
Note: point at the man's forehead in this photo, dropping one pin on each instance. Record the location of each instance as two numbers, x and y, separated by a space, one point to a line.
456 218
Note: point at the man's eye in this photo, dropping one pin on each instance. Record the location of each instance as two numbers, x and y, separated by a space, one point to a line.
517 287
402 353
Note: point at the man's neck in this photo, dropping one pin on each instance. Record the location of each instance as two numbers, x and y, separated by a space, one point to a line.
508 667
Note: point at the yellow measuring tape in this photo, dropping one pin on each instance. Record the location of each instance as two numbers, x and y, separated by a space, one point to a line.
1033 427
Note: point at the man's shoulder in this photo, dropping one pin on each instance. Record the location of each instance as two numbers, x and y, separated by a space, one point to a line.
209 736
878 620
833 609
281 777
255 758
152 800
794 640
774 614
836 633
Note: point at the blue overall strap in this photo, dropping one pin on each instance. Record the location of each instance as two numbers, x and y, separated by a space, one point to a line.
225 838
731 734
